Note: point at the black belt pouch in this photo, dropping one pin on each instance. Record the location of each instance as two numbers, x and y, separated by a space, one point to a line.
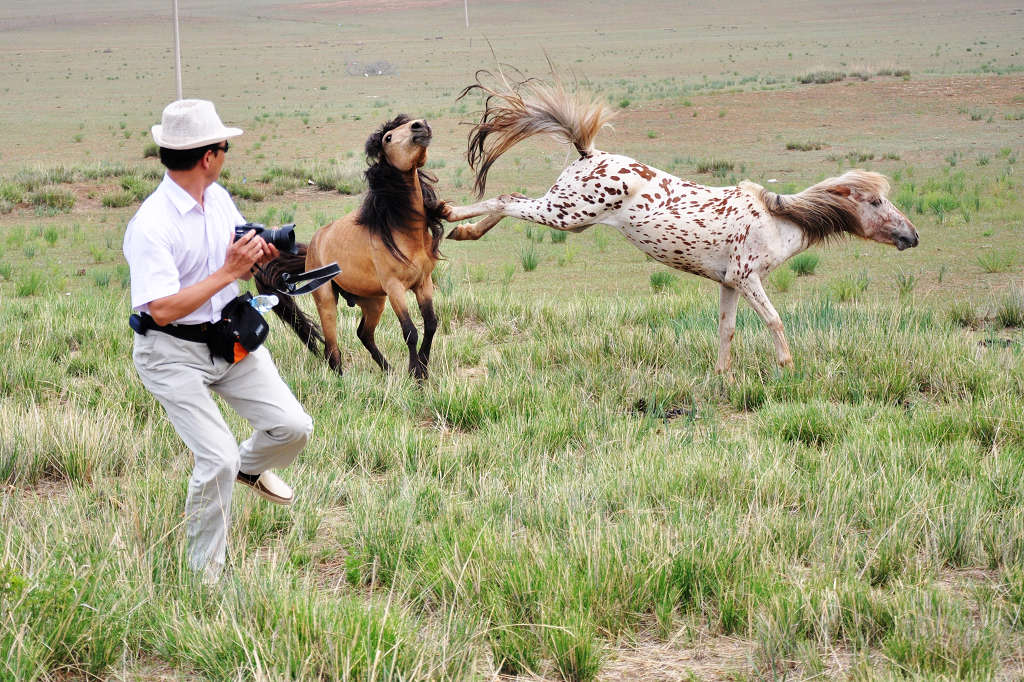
240 331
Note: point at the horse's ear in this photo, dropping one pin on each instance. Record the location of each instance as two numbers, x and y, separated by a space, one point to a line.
840 190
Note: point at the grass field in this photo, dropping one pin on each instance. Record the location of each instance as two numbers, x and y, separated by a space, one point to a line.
574 494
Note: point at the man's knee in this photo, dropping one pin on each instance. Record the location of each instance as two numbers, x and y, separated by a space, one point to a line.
295 430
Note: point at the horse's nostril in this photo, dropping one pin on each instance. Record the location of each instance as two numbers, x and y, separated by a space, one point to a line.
416 125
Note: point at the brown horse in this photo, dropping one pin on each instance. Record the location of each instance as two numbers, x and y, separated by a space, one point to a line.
386 248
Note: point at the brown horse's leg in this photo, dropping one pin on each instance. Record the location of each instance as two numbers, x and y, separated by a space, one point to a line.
327 305
425 299
727 299
372 309
396 295
752 290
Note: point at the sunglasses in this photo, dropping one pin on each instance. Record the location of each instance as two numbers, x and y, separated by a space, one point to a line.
226 146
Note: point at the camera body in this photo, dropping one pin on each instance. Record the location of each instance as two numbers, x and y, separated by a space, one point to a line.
282 237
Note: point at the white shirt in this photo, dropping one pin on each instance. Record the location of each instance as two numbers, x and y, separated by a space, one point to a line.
172 242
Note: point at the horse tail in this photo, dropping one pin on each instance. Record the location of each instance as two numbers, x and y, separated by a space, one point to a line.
268 281
528 108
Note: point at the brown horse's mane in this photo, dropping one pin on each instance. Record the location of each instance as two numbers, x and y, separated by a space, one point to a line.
388 206
827 209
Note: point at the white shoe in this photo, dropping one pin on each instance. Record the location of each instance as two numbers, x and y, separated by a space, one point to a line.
269 486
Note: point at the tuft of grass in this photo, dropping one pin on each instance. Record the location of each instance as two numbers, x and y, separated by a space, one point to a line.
782 279
821 77
718 167
1010 310
117 199
662 280
996 261
804 263
58 200
849 287
101 278
30 284
905 283
529 259
558 236
963 314
805 146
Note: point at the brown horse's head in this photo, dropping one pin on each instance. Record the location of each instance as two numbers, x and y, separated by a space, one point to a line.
401 143
400 194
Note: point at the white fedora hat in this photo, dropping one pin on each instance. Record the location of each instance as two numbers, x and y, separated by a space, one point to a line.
191 123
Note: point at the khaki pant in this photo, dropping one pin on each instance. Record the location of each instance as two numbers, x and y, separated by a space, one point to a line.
180 374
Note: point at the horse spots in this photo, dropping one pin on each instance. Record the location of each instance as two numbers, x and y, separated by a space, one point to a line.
642 170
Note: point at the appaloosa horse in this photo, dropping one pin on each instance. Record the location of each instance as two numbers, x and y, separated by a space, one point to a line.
386 248
733 235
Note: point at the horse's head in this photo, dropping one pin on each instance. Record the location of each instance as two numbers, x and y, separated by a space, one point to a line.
880 220
401 143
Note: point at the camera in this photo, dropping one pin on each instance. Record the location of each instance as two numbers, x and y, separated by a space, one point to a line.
282 237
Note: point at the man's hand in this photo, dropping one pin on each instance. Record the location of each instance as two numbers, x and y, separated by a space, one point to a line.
245 253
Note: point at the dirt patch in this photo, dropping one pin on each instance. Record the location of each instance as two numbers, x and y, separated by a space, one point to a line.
714 658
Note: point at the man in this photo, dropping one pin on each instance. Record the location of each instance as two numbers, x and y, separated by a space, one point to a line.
184 269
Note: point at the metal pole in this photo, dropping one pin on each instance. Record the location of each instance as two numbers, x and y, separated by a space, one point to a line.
465 6
177 49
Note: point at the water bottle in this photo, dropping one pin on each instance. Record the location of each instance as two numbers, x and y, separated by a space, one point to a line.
263 302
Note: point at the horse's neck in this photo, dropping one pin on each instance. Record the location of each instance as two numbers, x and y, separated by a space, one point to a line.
791 239
416 200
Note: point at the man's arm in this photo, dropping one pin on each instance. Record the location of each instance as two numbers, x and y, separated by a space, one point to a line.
241 256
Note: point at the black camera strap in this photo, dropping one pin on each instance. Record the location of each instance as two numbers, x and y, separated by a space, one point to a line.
314 279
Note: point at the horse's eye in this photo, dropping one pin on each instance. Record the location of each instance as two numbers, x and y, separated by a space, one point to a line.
387 138
876 202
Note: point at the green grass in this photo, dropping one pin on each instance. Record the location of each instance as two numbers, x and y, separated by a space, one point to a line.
804 263
574 489
529 258
1010 310
782 279
662 280
996 260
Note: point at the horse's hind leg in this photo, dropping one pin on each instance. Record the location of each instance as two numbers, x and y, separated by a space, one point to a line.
474 230
753 291
326 300
396 296
558 211
425 299
372 309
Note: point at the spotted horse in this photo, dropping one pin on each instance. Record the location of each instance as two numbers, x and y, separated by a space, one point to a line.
733 235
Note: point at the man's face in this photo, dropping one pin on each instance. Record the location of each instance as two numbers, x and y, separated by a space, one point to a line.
216 158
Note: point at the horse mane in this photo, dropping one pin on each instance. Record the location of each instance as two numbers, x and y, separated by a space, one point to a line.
388 205
526 108
827 209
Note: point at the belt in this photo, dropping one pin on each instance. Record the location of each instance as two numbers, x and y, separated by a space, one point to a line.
199 333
